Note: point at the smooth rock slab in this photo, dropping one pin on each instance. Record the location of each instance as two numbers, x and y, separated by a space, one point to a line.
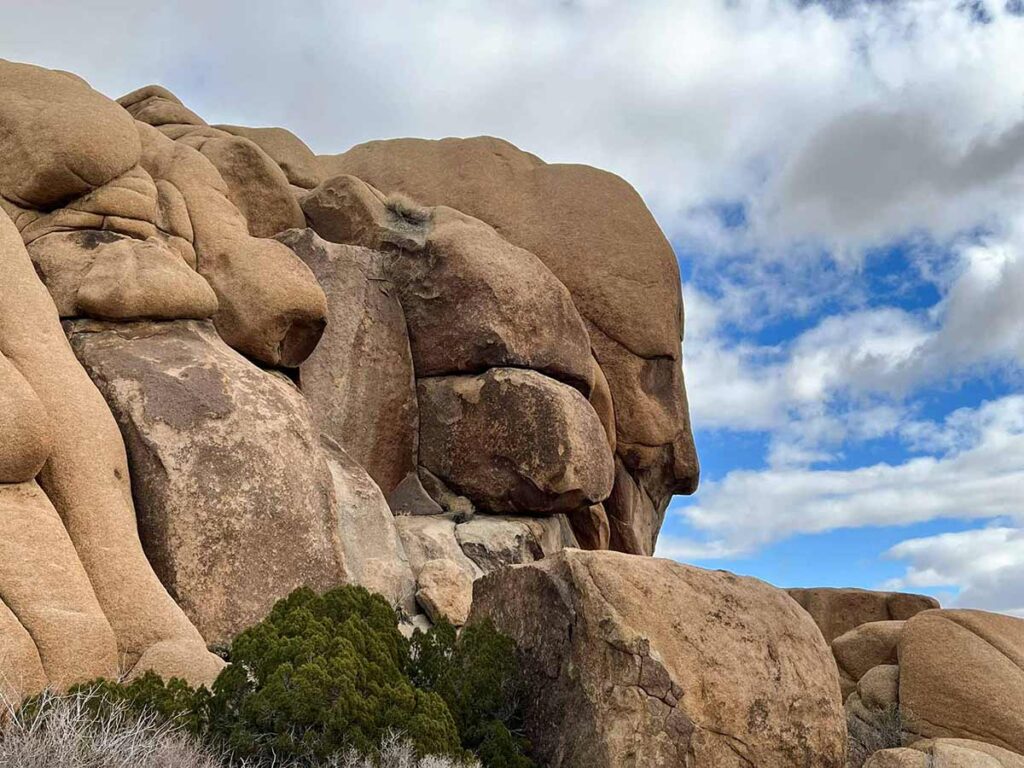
234 500
359 380
962 675
636 661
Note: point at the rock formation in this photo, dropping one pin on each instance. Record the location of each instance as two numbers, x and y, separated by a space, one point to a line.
272 373
728 671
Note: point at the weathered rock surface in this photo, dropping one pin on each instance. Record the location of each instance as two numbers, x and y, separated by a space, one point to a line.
359 381
728 671
946 753
374 554
472 300
596 235
865 647
286 149
277 321
60 138
445 591
493 541
430 537
54 603
233 497
837 611
514 441
23 670
109 276
85 478
900 757
962 675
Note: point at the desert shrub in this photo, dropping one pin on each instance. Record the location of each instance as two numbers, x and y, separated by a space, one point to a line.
84 729
329 681
321 674
885 731
478 676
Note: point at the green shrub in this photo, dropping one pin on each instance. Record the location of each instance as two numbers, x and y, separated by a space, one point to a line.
477 674
321 674
330 675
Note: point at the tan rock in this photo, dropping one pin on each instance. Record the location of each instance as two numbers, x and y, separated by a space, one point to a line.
374 555
256 185
270 306
23 673
514 440
596 235
235 502
58 137
359 380
345 210
964 753
962 675
410 498
86 474
44 584
867 646
108 276
879 688
901 757
494 541
836 611
726 672
590 527
472 300
156 106
427 537
287 150
445 591
26 435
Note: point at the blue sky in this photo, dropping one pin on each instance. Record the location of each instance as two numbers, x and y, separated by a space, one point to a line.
843 182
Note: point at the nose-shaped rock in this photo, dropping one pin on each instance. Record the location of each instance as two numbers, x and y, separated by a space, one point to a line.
58 137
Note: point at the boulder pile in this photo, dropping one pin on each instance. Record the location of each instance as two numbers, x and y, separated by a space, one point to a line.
445 370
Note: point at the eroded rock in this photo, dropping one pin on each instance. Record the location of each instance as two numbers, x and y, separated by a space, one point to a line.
235 502
727 672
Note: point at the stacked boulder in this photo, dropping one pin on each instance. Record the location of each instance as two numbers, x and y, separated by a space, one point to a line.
931 684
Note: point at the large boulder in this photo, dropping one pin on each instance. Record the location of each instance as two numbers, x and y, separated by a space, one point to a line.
359 381
962 675
58 137
593 231
472 300
946 753
837 611
637 661
286 149
270 306
234 500
514 440
23 670
85 478
865 647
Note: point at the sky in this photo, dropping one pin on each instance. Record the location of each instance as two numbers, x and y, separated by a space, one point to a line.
842 182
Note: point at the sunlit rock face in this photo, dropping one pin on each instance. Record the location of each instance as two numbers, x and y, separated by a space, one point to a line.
286 369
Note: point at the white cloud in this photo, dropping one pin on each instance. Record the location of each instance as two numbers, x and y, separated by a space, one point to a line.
980 476
986 566
782 105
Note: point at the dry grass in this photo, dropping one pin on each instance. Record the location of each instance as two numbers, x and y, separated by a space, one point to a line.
884 732
406 208
66 733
